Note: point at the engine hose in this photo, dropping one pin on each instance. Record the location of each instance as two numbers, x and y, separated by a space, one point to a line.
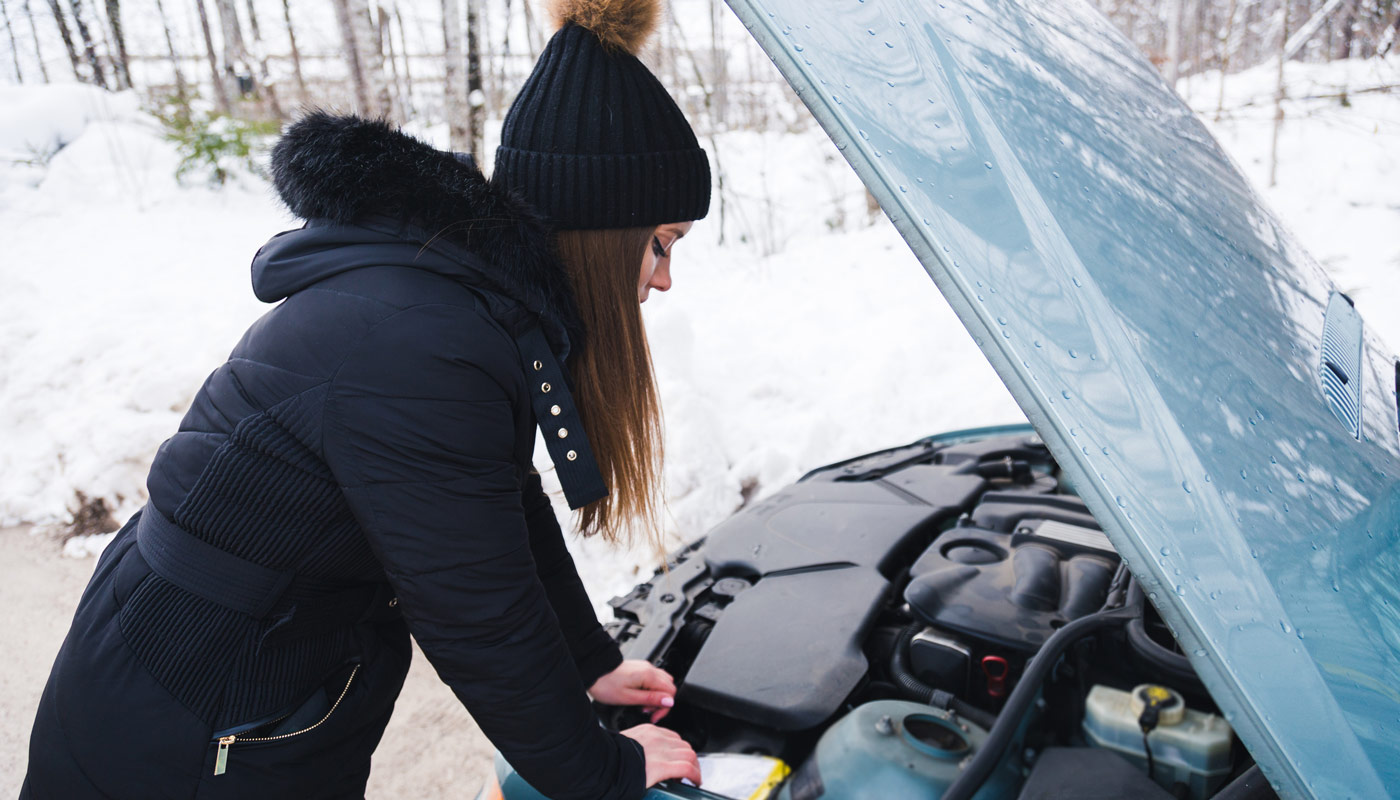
1158 656
1037 669
915 689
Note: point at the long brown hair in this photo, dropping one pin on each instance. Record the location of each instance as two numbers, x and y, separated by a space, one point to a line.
613 380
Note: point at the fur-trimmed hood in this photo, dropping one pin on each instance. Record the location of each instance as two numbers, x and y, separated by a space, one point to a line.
376 184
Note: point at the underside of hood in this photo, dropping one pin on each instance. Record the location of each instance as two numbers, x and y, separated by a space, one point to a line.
1220 408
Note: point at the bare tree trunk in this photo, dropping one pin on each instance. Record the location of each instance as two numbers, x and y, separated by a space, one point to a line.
1225 49
371 60
534 41
296 54
455 106
343 16
1348 23
476 98
89 49
122 65
708 94
34 34
1278 98
407 70
237 67
67 37
1388 40
259 55
14 46
181 89
386 42
1173 41
718 58
505 47
220 91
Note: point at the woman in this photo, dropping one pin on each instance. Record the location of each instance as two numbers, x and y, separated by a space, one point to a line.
360 468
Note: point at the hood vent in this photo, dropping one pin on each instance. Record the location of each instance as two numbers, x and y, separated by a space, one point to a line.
1340 370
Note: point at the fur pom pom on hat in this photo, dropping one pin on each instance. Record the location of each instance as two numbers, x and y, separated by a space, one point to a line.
593 140
619 24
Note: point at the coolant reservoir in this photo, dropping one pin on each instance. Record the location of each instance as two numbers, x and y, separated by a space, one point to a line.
1189 747
891 748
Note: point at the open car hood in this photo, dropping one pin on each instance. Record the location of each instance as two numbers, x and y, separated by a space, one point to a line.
1224 413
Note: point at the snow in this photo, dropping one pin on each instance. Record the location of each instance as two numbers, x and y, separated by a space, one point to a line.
809 335
1338 185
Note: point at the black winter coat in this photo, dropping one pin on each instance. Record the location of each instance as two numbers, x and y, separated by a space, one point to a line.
370 441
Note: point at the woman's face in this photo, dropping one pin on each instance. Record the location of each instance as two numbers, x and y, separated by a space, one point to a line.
656 269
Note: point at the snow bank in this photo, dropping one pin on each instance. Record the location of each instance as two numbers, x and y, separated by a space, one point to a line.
39 120
122 290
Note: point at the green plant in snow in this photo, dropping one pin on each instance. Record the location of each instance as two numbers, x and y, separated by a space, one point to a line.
210 142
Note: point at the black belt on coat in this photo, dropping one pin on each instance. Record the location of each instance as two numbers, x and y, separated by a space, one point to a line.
559 421
241 585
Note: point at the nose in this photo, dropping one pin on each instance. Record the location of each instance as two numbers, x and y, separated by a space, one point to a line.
661 277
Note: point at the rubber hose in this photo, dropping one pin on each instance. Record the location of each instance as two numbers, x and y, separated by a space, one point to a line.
1174 664
915 689
1037 669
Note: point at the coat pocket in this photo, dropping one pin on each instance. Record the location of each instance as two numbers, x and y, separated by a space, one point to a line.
304 719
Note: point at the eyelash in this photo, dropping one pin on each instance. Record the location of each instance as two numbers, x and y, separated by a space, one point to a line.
657 249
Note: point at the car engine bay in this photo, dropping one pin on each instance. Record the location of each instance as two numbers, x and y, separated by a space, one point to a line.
942 619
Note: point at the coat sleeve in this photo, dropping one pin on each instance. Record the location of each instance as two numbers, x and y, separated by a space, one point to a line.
593 650
419 433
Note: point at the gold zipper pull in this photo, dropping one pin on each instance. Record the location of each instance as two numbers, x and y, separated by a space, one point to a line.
221 762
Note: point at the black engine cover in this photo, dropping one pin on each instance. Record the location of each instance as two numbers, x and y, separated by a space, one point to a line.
1014 585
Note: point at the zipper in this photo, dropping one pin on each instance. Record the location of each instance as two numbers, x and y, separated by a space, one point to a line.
221 761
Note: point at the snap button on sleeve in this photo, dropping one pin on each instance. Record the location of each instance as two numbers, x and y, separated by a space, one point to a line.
571 455
556 410
563 433
539 365
544 387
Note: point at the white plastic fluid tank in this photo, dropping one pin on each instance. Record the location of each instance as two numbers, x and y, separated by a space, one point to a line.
1189 747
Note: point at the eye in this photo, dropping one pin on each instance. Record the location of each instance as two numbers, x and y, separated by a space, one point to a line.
656 248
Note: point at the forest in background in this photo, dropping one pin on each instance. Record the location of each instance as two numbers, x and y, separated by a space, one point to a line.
222 71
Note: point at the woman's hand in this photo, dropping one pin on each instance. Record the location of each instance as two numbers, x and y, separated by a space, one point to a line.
637 683
667 754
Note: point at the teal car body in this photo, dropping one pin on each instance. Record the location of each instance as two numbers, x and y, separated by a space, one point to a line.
1222 410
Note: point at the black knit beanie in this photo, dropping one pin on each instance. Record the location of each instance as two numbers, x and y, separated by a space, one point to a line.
593 140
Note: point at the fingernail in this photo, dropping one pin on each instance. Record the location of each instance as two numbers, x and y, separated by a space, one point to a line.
668 701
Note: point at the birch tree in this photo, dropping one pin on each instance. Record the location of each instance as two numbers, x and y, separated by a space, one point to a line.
67 38
89 47
220 91
236 68
352 55
403 48
267 86
34 34
476 97
365 35
454 101
14 45
121 66
296 53
181 88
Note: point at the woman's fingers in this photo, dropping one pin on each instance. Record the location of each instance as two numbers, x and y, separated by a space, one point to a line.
636 697
659 679
656 714
667 754
690 770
